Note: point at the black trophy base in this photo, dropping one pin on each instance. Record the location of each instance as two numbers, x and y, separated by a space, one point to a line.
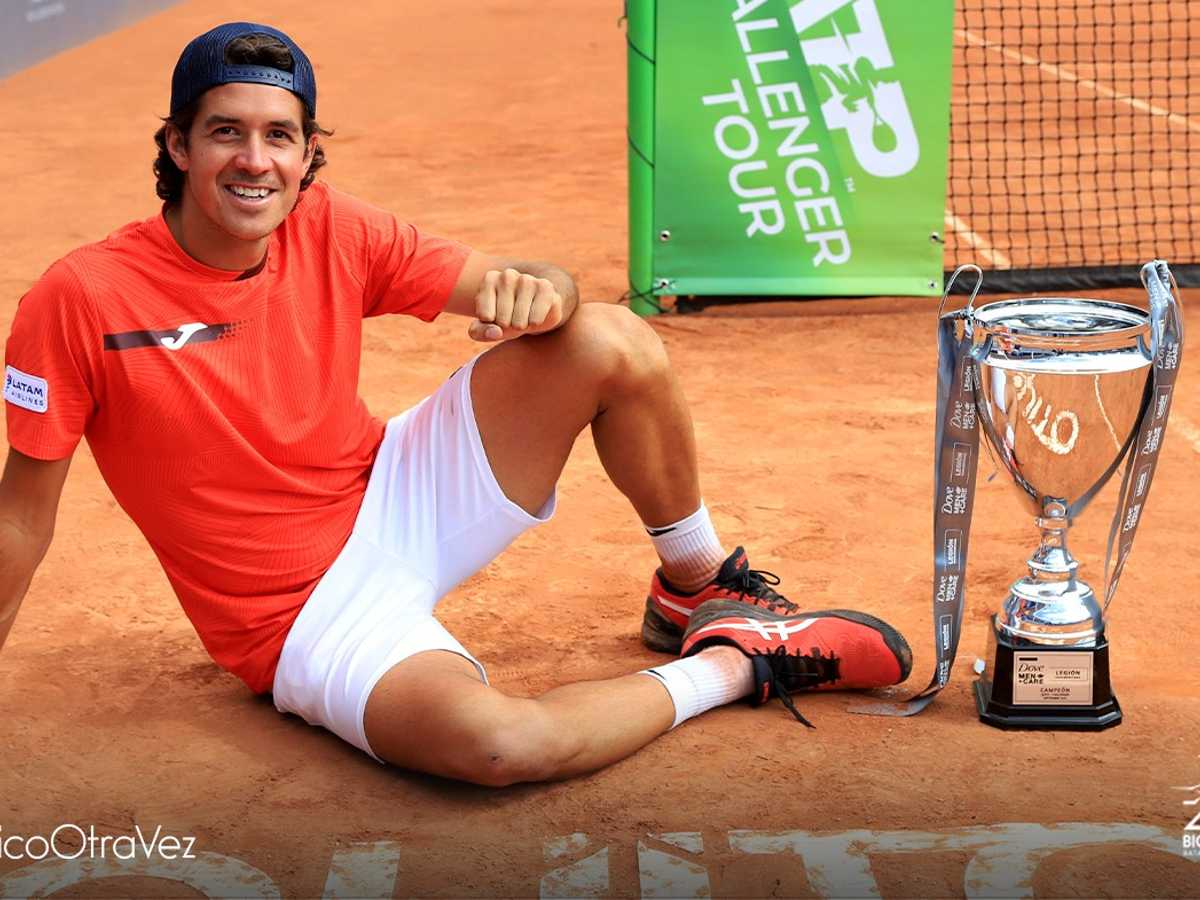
1042 686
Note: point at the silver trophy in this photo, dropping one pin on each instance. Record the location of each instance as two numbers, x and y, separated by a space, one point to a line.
1065 390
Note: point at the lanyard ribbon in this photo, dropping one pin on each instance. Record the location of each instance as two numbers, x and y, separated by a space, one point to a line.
1166 346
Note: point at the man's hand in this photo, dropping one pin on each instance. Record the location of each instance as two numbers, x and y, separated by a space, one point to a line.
511 303
509 297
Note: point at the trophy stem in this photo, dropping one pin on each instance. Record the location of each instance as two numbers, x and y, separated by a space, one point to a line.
1051 605
1052 561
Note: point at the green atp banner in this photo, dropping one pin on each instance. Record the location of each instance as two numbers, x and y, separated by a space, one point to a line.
795 148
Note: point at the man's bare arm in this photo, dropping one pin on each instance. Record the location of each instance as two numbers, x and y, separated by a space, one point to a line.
510 297
29 493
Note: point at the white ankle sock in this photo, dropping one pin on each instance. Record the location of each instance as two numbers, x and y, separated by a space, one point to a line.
689 548
699 683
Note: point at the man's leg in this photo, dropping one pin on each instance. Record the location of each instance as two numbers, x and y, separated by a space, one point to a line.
531 398
431 713
607 368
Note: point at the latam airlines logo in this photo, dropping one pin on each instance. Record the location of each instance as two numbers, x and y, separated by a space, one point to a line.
172 339
25 390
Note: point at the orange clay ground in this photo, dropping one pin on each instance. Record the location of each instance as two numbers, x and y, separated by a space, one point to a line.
501 123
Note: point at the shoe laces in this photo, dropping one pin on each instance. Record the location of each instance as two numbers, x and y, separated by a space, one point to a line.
799 672
759 585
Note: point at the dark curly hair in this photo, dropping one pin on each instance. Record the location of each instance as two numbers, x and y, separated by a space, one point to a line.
251 50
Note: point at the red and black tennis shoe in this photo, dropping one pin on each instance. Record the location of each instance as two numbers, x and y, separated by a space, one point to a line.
805 651
668 609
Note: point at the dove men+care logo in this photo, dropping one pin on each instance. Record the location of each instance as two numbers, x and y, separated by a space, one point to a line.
818 103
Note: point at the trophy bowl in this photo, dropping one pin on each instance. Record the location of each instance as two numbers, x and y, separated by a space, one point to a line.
1062 385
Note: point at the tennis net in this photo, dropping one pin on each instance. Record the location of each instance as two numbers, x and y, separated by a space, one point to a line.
1075 141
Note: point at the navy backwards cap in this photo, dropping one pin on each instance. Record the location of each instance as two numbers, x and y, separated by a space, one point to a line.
202 66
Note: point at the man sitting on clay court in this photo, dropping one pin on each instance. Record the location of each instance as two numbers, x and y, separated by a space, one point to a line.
210 355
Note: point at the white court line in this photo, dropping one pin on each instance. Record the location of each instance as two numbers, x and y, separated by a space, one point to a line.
1068 75
1184 426
991 255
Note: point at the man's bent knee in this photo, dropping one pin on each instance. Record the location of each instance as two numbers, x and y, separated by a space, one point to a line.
515 744
431 714
615 344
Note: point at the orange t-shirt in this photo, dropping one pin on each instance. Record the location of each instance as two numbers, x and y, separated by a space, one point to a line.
223 410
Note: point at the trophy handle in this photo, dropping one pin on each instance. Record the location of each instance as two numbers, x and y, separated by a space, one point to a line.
1166 340
1161 308
969 309
979 352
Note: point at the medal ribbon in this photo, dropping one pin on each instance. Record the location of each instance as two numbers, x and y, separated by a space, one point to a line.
956 448
1166 347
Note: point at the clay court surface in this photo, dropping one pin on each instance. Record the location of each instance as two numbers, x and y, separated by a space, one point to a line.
502 123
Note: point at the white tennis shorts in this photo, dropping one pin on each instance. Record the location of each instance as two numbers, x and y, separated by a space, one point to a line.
433 515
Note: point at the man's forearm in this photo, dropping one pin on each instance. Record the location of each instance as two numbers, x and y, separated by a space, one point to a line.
20 555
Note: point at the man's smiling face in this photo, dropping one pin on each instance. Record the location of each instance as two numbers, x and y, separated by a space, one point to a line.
244 159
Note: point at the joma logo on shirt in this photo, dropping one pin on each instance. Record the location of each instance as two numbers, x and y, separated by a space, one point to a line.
25 390
171 339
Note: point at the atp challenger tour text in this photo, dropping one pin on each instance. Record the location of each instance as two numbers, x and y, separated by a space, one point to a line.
806 177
